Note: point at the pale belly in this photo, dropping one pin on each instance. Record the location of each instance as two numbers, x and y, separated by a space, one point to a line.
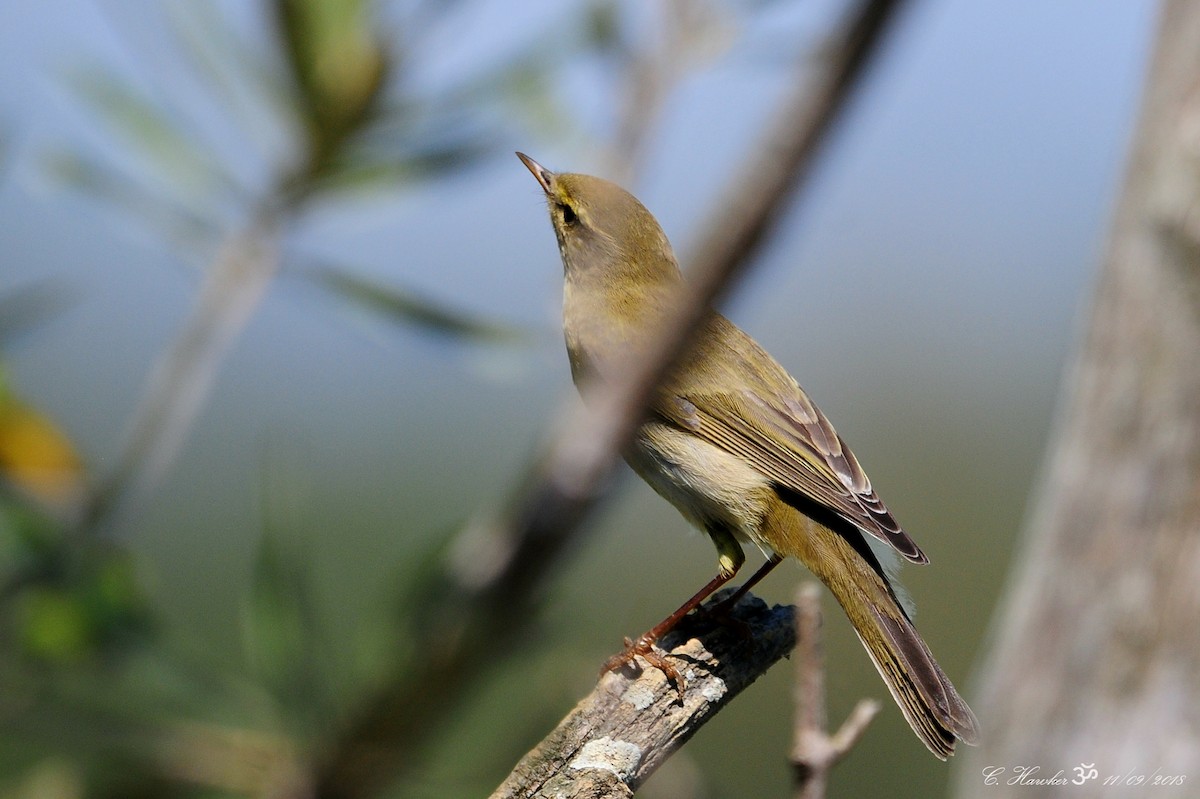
706 484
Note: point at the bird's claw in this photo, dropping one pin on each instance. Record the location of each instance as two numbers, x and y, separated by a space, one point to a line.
644 648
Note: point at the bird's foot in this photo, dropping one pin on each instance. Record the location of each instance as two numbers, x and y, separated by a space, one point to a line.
644 648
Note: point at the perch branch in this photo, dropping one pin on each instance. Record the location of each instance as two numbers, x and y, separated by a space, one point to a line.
620 733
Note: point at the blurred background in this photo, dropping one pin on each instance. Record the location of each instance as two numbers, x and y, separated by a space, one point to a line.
279 312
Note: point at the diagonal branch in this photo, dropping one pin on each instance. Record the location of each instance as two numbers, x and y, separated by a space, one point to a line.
620 733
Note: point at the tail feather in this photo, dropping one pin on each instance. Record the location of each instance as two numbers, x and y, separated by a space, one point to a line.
929 701
927 698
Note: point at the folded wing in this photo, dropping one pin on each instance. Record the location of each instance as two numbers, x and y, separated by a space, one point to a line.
792 443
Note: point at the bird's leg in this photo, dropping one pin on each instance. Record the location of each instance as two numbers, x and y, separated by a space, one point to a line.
730 560
728 603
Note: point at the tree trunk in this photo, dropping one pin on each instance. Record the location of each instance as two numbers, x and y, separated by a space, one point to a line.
1096 658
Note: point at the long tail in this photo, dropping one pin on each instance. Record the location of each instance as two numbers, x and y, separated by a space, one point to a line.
933 708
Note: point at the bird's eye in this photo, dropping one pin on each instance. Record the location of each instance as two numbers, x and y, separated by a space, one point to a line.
568 214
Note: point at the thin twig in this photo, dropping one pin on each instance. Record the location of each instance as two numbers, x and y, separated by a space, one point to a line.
814 751
482 595
619 734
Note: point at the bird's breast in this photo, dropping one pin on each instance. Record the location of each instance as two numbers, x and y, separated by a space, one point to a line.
706 484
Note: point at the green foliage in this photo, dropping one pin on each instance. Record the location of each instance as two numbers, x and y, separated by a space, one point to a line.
403 306
159 137
163 212
81 611
282 637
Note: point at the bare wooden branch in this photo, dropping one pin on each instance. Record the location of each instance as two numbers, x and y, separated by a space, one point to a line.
814 751
619 734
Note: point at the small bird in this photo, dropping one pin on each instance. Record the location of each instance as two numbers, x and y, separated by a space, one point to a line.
734 443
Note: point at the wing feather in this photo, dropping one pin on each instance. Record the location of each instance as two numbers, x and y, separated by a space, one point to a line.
791 442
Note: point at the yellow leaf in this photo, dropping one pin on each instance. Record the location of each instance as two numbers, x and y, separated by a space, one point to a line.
36 456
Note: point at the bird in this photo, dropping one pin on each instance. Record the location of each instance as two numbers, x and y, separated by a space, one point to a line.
736 445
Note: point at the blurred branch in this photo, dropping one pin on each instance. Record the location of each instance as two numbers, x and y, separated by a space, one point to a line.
619 734
482 595
183 377
814 751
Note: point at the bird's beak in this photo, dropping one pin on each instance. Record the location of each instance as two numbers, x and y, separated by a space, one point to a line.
544 176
